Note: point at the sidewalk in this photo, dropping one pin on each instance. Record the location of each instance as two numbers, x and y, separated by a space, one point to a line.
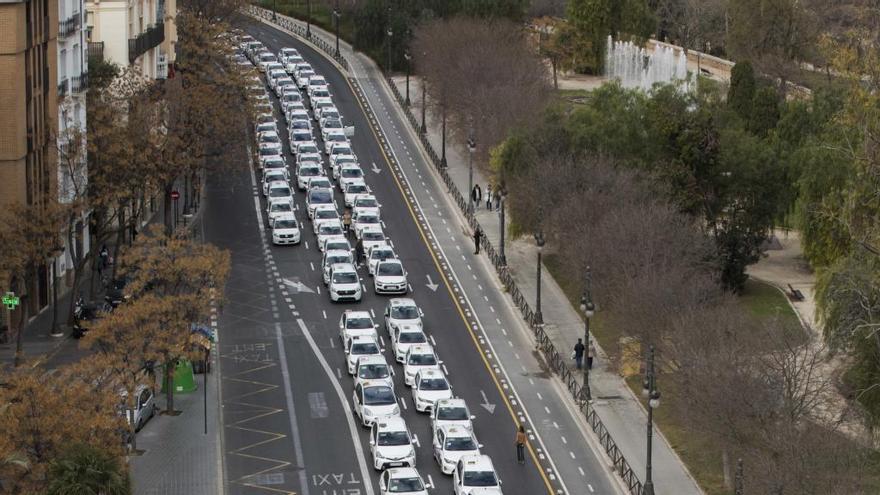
620 411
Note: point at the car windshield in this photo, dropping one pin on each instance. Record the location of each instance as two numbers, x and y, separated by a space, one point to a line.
309 171
392 438
325 214
285 224
266 118
282 206
422 359
270 138
274 163
307 149
365 202
412 338
480 478
342 160
302 136
274 176
405 312
352 173
356 189
405 485
330 230
381 254
433 384
320 196
391 269
460 443
364 348
319 183
268 151
358 323
339 258
373 236
320 93
345 278
452 414
379 396
299 124
368 219
342 150
370 371
336 137
279 192
332 124
340 245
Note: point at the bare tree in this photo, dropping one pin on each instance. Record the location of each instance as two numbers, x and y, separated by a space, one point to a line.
483 74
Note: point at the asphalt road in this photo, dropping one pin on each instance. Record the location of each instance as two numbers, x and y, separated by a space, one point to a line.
286 428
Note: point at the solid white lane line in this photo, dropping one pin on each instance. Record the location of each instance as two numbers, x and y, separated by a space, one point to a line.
352 427
291 412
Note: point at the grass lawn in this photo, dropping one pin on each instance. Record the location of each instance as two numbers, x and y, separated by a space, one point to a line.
767 302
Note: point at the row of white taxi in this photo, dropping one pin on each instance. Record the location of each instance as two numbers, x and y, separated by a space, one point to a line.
375 401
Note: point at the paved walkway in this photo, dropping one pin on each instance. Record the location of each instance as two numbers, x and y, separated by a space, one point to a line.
784 267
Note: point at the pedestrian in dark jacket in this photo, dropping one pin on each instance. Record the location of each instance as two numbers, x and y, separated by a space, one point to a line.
497 198
476 195
489 197
521 445
359 251
591 353
579 354
477 234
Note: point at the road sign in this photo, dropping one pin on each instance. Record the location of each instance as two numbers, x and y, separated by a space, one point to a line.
10 300
175 195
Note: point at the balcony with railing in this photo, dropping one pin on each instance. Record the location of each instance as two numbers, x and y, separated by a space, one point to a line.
63 87
70 25
80 83
149 39
96 50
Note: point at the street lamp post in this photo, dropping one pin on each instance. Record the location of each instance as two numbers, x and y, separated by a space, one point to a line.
336 16
424 128
390 33
443 139
309 19
274 10
407 57
539 241
649 390
472 147
501 226
588 309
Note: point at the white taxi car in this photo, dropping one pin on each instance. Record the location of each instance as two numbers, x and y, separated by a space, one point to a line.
345 284
391 444
402 311
418 357
430 386
475 474
357 347
390 278
451 412
285 230
373 368
404 336
403 480
450 444
374 401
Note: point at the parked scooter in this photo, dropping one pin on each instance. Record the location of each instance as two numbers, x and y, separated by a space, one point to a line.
84 312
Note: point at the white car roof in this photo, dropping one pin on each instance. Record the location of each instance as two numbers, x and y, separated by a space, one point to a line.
455 431
351 313
421 349
344 267
431 373
477 463
391 423
371 358
278 184
324 206
403 472
285 216
402 301
454 402
360 339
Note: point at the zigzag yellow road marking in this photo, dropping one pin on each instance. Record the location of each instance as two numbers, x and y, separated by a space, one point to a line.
257 412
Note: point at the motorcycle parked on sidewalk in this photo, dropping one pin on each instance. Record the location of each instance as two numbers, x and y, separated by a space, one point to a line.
84 312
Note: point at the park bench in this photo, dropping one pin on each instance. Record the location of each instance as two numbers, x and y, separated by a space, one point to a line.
795 294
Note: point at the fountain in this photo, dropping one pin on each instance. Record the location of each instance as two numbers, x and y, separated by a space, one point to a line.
635 67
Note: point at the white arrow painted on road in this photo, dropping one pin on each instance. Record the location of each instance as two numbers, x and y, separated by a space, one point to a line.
376 169
431 285
486 404
298 286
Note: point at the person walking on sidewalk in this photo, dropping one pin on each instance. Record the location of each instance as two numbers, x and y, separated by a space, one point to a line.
489 196
346 221
579 354
478 232
591 353
497 195
521 445
476 196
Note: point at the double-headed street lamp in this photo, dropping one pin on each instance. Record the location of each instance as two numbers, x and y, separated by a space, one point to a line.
309 19
588 309
424 128
472 148
274 10
649 391
503 194
407 57
443 137
539 241
336 15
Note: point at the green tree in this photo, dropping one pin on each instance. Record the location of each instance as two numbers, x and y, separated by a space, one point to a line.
765 111
595 20
87 470
741 94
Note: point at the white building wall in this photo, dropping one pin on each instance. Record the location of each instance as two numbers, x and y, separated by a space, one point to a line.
114 22
72 68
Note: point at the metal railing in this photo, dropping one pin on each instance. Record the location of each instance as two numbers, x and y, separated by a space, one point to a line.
79 83
70 25
557 361
300 30
62 87
96 50
144 42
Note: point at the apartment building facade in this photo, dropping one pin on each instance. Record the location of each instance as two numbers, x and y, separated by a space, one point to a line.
29 118
140 33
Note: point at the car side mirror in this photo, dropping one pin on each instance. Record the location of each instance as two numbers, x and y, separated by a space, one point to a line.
372 442
392 371
382 350
439 362
376 326
473 417
481 446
